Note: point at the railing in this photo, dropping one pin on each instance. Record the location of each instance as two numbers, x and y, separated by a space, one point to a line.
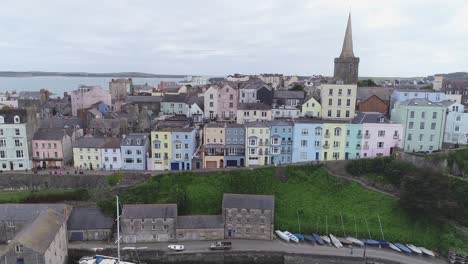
326 146
366 147
396 136
358 147
367 136
327 135
359 135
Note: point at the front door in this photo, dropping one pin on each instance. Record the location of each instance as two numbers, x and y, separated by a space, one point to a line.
229 232
11 165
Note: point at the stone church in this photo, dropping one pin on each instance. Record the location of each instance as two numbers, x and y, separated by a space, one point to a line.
347 65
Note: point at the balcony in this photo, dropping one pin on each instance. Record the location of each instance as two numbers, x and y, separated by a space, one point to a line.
326 135
396 136
366 147
367 136
326 146
359 136
358 147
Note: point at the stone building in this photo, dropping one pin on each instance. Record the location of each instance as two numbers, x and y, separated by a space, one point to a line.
148 222
89 224
200 227
43 241
14 217
347 65
248 216
119 88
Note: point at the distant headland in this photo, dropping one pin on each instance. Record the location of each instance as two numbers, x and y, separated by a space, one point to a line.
86 74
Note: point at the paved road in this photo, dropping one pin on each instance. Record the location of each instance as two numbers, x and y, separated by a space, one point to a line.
276 246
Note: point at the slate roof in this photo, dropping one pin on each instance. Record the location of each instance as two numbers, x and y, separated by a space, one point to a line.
420 102
415 90
89 218
454 84
9 115
89 142
249 201
174 98
49 134
285 94
34 95
62 122
132 139
366 118
149 211
40 233
200 222
143 99
256 85
384 93
253 106
447 103
256 124
111 143
28 212
215 124
280 122
234 125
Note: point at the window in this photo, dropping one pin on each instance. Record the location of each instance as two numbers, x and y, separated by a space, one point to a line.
458 118
1 134
423 114
380 144
339 102
434 115
330 91
347 113
317 144
340 91
19 154
348 102
157 155
411 114
381 133
433 126
457 128
338 113
305 132
17 131
2 154
348 132
336 144
421 137
304 143
19 248
318 131
329 113
18 143
303 155
410 137
337 131
349 92
106 159
330 101
114 159
421 126
431 138
410 125
16 119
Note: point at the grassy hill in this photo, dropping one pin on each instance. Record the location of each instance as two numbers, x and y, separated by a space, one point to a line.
309 193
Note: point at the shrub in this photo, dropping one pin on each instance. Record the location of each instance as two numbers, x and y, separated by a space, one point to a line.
115 178
55 197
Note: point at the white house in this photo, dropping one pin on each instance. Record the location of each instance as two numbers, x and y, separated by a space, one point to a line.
456 124
111 155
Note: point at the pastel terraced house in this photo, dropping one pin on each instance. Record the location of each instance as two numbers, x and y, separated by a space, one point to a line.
235 145
52 148
334 141
14 150
257 143
253 112
111 155
423 124
307 140
183 148
214 135
135 151
380 136
87 153
311 107
281 141
161 149
456 125
221 102
86 96
353 141
338 101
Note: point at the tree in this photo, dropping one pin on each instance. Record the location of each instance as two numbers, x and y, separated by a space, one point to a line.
367 83
297 87
427 192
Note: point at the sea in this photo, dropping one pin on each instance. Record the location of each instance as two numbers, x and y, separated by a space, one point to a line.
58 85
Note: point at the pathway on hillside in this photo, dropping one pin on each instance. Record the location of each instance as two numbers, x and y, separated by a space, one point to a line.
338 169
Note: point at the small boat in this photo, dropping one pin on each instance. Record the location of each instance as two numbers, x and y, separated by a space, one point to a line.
344 241
326 239
299 236
291 236
101 260
355 241
371 242
427 251
403 248
176 247
414 248
335 241
282 235
383 243
318 239
309 238
392 246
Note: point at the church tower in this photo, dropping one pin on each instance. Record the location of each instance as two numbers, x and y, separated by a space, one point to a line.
347 65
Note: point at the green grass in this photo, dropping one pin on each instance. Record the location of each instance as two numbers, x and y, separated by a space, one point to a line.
38 196
309 192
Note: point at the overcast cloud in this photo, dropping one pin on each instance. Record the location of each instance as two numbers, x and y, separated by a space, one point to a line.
392 37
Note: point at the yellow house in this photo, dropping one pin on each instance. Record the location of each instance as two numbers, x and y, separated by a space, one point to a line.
338 101
87 153
214 145
161 147
311 108
334 140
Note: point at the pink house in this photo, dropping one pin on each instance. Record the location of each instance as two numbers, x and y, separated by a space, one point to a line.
85 96
379 135
51 148
221 102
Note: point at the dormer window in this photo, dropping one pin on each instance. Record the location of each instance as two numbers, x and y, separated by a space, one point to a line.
16 119
382 119
138 142
19 248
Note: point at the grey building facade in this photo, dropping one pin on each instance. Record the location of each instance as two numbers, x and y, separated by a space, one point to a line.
235 145
135 151
89 224
248 216
148 222
200 227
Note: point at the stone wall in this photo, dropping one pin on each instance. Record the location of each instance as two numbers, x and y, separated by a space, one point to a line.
436 161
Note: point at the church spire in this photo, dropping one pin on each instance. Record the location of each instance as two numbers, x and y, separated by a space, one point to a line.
347 51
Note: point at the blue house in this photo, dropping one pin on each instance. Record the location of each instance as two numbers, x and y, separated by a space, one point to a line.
353 141
307 140
401 95
281 141
135 151
183 148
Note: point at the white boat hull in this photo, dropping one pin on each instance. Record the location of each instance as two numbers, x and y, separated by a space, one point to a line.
291 236
326 239
335 241
414 248
427 251
355 241
282 235
394 247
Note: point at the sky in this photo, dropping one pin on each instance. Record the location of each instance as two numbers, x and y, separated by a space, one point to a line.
219 37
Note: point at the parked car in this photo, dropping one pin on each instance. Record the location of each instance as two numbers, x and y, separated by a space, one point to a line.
221 245
176 247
